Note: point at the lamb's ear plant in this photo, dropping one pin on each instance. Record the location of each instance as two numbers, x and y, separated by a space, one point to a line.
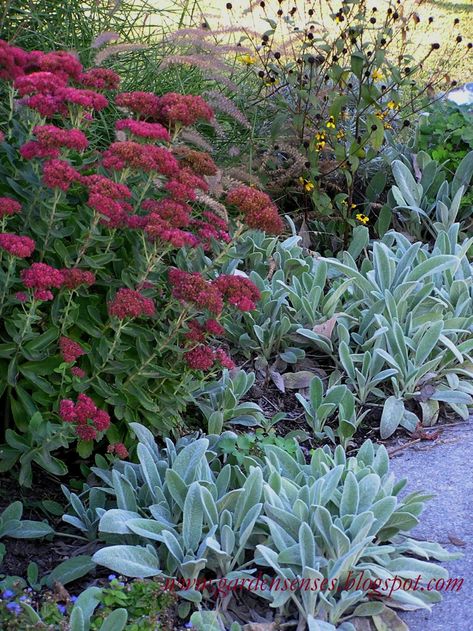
220 402
181 513
14 526
336 404
425 201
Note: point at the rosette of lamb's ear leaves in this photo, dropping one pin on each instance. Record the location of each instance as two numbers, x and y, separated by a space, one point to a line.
405 334
338 515
425 201
181 512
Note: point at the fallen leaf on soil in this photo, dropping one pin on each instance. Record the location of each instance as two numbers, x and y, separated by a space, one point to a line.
456 541
305 235
278 380
326 328
260 626
61 592
295 380
389 621
361 624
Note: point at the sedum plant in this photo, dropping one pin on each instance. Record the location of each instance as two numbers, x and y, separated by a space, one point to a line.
182 513
111 292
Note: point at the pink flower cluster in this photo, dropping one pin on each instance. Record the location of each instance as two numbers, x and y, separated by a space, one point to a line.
21 247
100 79
59 174
258 210
42 278
9 206
142 129
88 419
172 108
50 139
185 109
203 357
192 287
238 291
129 303
118 449
75 277
70 350
144 104
133 155
198 161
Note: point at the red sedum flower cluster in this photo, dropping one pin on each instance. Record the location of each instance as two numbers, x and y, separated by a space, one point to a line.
258 210
86 417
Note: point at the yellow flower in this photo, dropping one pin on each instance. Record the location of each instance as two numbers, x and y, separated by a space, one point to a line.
340 134
320 136
392 105
353 206
387 126
247 59
380 115
307 184
331 123
362 218
320 145
377 75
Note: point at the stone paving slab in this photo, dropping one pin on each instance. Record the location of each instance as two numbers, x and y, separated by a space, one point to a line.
444 467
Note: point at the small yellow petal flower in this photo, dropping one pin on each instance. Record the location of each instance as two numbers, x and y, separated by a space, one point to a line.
331 123
362 218
391 105
377 75
247 59
340 134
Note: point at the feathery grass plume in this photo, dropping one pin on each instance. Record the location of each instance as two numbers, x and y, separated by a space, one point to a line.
196 138
235 176
211 66
104 54
292 163
104 38
218 208
225 105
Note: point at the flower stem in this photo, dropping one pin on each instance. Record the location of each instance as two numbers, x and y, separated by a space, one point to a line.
10 269
56 198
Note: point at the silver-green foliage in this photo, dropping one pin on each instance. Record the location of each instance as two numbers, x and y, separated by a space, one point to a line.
182 512
423 197
220 402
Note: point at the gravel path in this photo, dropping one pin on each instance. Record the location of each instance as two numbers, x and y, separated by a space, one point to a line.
444 467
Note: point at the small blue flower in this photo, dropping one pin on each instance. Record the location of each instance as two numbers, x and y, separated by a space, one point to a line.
189 625
23 597
8 594
14 608
73 599
111 577
62 609
121 584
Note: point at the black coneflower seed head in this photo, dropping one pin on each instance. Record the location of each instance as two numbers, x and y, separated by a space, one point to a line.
435 46
229 5
373 20
277 55
406 123
459 39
